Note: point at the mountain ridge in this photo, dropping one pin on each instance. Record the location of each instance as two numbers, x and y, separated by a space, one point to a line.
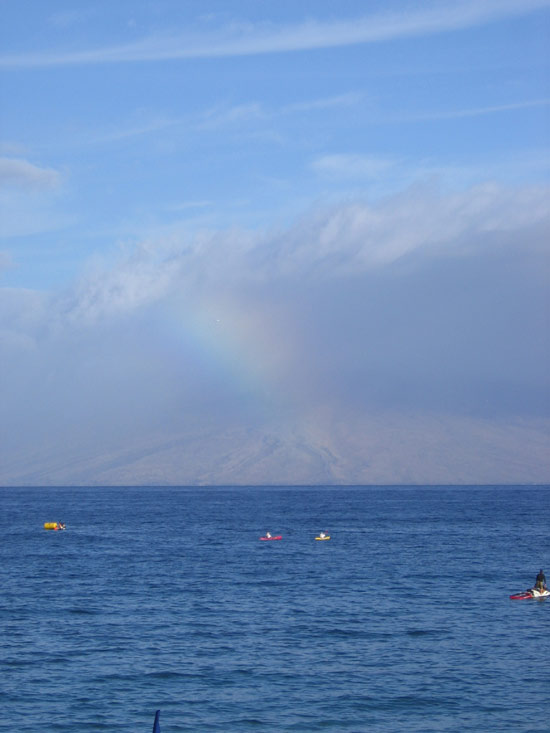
383 449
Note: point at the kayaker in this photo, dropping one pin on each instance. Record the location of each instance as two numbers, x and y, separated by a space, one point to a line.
540 582
322 535
268 535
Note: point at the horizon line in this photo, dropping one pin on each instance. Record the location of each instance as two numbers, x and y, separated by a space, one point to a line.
543 484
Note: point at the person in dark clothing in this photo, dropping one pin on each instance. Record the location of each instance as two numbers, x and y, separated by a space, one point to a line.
540 582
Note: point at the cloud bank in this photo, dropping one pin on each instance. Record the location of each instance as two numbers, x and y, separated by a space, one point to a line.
290 351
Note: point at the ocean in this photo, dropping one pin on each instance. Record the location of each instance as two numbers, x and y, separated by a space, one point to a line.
165 598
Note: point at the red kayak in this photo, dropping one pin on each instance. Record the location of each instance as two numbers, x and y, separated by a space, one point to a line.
277 537
530 593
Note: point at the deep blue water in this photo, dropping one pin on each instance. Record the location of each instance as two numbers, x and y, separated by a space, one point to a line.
165 598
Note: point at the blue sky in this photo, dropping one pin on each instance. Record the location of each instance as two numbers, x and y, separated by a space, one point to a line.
121 121
307 173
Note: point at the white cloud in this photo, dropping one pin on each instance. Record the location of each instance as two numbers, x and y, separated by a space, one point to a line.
15 172
360 236
103 293
325 245
249 39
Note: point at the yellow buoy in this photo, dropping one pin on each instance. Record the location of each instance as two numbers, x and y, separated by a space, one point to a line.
54 525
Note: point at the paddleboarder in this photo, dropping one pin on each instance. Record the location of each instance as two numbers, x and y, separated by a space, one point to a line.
540 582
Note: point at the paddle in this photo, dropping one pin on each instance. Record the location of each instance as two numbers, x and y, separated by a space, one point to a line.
156 724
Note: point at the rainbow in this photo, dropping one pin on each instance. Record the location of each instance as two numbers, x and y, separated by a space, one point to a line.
238 345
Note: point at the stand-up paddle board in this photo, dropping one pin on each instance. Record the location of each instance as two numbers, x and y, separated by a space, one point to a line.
530 593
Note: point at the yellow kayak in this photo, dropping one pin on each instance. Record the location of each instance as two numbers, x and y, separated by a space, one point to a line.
323 538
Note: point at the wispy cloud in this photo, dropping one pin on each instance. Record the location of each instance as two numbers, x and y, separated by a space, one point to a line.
340 100
250 39
223 116
186 205
28 195
352 166
127 132
229 116
69 18
478 111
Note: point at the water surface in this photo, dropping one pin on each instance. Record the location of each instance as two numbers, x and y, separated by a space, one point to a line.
165 598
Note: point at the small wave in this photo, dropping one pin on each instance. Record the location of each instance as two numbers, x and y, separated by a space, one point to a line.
170 675
426 632
357 634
